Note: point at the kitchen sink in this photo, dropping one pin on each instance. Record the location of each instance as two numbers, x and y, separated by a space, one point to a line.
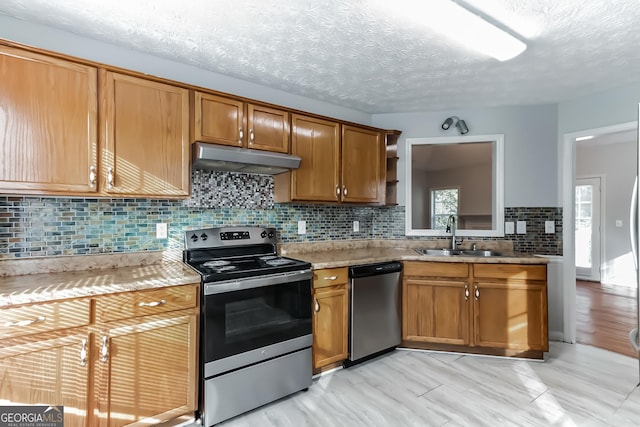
453 252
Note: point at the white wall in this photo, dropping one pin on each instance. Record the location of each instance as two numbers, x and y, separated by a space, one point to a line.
530 146
617 164
48 38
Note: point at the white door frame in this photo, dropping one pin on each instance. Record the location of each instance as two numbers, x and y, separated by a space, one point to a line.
599 211
567 164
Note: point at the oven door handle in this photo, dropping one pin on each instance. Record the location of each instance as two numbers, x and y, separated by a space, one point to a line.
256 282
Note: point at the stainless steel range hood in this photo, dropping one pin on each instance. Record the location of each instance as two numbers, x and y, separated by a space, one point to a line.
234 159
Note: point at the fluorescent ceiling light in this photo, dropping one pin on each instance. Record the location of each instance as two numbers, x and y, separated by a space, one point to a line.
584 138
459 24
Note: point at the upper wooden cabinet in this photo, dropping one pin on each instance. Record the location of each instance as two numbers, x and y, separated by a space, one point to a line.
144 137
229 121
340 163
317 142
48 124
363 165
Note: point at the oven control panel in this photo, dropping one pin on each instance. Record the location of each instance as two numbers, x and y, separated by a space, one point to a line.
228 236
235 235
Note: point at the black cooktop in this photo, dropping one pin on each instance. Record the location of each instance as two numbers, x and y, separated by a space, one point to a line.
219 269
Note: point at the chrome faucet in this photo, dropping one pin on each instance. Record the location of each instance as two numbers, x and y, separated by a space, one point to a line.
451 228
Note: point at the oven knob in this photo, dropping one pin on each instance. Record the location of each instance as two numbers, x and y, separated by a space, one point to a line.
271 234
204 236
263 234
194 238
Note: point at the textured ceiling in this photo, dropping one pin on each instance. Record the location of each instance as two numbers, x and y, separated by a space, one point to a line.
363 55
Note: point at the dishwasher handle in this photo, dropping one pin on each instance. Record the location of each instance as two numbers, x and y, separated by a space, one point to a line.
369 270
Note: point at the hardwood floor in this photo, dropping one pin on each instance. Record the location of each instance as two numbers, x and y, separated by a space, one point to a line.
577 385
605 315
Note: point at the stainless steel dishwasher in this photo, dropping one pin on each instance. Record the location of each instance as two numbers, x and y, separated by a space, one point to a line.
374 315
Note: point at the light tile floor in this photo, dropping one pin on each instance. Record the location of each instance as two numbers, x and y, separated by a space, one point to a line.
577 385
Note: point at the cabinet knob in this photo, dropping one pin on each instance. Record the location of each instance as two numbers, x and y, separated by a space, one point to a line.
241 135
316 307
92 177
477 292
110 178
337 190
251 136
466 292
344 191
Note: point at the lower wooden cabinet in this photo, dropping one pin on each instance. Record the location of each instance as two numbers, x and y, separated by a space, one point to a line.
48 369
492 308
139 368
146 369
330 317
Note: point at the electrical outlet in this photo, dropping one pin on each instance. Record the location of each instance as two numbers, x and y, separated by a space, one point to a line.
508 227
302 227
161 230
521 227
618 223
356 226
549 227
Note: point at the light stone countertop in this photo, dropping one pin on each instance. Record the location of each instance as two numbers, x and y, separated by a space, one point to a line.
350 257
52 286
356 252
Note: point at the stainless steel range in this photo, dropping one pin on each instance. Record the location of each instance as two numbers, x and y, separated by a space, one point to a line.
255 320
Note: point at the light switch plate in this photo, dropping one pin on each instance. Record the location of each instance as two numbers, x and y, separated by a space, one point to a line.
356 226
549 227
521 227
618 223
161 230
302 227
508 227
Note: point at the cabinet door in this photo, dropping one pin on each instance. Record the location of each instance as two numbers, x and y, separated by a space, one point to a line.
435 311
218 120
268 128
330 325
48 369
510 315
363 165
317 142
48 124
145 137
146 370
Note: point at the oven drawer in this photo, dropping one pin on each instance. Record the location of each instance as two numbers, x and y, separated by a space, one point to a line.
143 303
45 317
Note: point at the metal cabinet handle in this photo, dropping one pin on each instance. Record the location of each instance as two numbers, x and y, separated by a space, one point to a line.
330 277
344 190
26 322
251 136
241 135
92 177
337 190
477 292
466 292
316 307
153 303
104 349
110 178
83 353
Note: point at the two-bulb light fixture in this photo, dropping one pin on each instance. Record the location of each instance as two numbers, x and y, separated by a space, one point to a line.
455 121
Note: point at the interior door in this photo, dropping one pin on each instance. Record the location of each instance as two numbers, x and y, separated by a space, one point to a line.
587 228
634 235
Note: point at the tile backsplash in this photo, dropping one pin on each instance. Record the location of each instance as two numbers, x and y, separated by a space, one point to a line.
54 226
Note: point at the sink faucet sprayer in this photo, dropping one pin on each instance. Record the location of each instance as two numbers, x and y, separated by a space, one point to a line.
451 228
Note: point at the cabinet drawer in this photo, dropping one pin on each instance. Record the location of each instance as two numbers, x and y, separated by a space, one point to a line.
510 271
143 303
50 316
330 277
436 269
